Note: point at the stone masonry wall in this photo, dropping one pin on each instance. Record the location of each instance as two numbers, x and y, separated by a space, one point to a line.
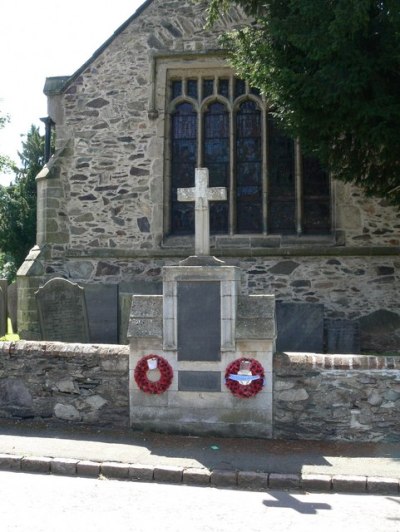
315 397
103 196
353 398
110 151
56 382
106 187
361 288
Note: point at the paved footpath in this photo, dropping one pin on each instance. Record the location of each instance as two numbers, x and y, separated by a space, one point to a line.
221 462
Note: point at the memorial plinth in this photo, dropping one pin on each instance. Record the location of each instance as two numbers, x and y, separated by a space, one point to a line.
199 327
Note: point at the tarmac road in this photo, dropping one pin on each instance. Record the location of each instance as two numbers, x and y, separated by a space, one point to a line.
41 503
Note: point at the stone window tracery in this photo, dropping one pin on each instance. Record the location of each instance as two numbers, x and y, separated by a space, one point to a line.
217 121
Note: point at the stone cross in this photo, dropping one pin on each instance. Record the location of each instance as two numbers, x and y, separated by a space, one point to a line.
201 195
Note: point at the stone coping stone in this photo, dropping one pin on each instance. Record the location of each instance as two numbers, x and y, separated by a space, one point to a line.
221 478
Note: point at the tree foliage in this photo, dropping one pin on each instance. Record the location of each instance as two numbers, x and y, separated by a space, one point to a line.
18 201
330 70
6 164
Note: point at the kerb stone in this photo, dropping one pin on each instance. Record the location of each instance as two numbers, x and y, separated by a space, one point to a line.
253 480
197 476
284 481
349 483
63 466
169 474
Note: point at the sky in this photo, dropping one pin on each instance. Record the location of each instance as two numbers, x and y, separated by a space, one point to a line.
43 38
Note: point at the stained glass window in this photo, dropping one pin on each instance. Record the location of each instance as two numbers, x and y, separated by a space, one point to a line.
247 153
176 89
216 159
183 164
208 87
248 169
192 88
316 197
281 180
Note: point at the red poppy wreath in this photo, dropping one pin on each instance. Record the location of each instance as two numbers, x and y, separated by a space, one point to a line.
244 377
148 364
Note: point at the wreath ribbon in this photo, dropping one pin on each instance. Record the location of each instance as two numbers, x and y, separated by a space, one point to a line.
241 378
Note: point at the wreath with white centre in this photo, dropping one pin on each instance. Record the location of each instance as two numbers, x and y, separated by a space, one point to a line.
152 365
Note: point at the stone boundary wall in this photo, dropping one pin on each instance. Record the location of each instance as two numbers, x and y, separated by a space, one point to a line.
60 382
337 397
316 397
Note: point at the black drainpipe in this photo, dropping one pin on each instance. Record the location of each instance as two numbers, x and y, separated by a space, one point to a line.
48 122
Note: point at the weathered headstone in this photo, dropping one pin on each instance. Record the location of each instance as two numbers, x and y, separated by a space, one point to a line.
12 305
3 306
199 320
342 336
102 311
62 311
300 327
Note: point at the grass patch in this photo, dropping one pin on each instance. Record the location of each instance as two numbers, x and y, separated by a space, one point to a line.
10 336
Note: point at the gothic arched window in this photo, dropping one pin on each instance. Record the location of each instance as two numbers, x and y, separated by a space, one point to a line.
220 123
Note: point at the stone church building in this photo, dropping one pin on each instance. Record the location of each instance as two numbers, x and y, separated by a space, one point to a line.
157 100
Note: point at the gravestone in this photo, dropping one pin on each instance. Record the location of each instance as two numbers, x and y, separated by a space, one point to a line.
12 305
102 311
3 306
300 327
342 336
62 311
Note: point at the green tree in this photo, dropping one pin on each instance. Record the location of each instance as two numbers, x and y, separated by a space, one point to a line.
6 164
331 72
18 201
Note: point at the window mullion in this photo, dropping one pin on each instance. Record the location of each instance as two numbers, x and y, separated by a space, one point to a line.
264 170
299 188
232 180
200 139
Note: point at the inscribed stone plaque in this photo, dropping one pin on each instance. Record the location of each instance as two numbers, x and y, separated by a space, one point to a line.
343 336
199 320
62 311
102 311
199 381
300 327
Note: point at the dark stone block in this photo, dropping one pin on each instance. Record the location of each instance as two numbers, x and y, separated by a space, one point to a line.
342 336
102 310
143 224
199 381
199 320
380 321
97 103
300 327
285 267
104 268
